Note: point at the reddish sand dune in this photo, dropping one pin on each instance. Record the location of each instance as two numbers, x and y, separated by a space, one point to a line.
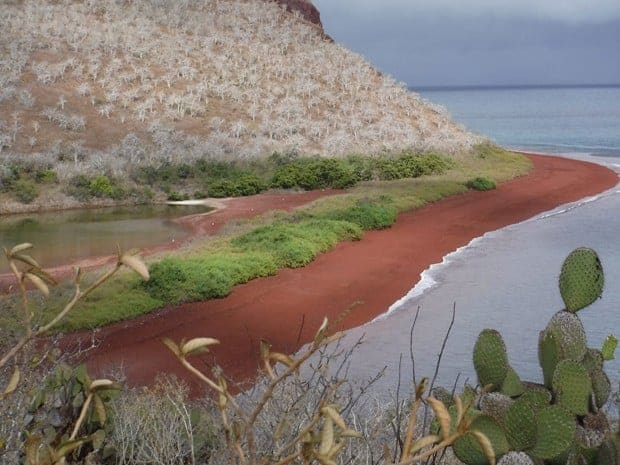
375 271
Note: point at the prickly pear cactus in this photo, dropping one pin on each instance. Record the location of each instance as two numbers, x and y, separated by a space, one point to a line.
490 358
581 279
469 451
572 387
555 430
562 421
521 425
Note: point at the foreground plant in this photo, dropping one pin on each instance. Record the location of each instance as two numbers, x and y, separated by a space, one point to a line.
50 439
561 421
324 436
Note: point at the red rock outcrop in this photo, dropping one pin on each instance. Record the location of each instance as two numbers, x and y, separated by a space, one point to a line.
305 7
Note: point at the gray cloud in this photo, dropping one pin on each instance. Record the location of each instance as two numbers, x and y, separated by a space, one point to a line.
562 10
426 48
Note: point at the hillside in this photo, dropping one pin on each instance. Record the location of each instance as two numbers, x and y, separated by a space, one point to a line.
101 86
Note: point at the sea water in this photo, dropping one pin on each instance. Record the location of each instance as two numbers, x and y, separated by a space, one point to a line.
508 279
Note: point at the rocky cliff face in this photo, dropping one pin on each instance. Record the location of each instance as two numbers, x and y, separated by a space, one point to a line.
305 7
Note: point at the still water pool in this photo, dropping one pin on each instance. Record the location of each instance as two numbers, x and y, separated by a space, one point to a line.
63 237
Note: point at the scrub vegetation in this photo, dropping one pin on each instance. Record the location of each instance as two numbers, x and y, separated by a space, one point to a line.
145 89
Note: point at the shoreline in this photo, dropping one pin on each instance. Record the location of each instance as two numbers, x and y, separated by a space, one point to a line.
378 270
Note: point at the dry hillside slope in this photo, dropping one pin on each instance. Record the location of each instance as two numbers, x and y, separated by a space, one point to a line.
95 85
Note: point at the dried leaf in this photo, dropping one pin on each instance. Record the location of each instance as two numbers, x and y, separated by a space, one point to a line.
350 433
12 385
39 284
442 415
26 259
99 384
320 334
100 410
136 264
20 248
327 437
198 345
335 416
424 442
334 450
68 447
174 348
485 445
265 349
284 359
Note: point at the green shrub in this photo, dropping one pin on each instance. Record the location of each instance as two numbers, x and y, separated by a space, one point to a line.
366 214
315 173
100 186
481 184
410 165
24 190
295 244
175 196
242 185
84 188
46 176
177 280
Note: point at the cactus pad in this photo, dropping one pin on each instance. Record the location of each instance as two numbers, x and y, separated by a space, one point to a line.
495 405
537 398
512 385
490 358
467 449
572 387
581 279
570 335
548 355
601 387
555 430
520 425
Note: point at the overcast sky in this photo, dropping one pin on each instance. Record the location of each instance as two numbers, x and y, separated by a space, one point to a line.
482 42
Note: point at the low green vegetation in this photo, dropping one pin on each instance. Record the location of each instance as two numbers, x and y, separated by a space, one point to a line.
260 247
481 184
24 180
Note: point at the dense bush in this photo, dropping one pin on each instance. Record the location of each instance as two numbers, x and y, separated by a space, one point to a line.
46 176
241 185
175 196
24 190
85 188
481 184
367 214
410 165
315 173
295 244
177 280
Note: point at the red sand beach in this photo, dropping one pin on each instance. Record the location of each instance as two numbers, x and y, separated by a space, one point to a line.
286 309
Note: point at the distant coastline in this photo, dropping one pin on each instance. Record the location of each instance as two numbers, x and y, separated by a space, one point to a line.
449 88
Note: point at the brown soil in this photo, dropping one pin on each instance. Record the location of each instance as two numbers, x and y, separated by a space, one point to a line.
287 309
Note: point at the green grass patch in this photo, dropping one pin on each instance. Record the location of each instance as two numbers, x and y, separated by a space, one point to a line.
481 183
293 244
175 279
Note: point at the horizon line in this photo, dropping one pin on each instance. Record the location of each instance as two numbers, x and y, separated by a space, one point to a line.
509 87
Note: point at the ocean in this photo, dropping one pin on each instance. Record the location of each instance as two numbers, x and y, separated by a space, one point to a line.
508 278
